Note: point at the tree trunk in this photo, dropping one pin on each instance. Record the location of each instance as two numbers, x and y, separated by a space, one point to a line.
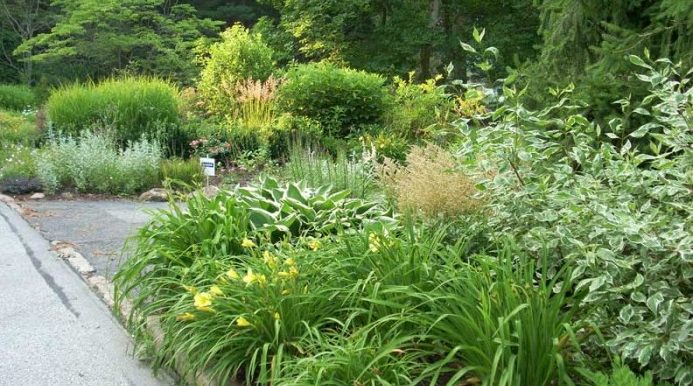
426 52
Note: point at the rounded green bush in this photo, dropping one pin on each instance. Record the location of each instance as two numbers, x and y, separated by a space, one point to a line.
132 107
239 55
341 99
16 97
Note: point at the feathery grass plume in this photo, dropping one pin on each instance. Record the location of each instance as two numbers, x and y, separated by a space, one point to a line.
429 183
254 101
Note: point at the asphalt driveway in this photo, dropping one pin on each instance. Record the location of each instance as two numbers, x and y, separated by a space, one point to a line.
98 229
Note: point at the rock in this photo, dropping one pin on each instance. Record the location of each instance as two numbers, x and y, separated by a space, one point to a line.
210 191
37 196
156 194
20 185
67 195
6 199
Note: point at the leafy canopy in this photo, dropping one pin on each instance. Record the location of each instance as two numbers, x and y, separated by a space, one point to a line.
99 36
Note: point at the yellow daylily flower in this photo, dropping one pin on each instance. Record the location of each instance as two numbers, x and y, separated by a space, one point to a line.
290 261
373 242
286 292
269 259
293 272
248 243
314 245
232 274
203 301
251 278
185 317
216 291
242 322
190 289
248 278
277 316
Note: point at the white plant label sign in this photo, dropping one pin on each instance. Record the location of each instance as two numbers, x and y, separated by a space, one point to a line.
208 166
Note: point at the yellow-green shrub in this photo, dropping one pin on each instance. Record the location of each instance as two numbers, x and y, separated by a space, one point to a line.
417 107
239 55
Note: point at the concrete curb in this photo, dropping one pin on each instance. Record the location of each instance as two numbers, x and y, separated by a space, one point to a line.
105 290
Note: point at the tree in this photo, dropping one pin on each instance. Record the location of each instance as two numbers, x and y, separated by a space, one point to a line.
586 41
20 21
97 37
398 36
246 12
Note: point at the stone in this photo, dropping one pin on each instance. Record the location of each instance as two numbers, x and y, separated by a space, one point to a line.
156 194
67 195
20 185
6 199
207 191
37 196
210 191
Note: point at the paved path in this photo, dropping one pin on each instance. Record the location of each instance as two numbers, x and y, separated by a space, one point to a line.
53 330
98 229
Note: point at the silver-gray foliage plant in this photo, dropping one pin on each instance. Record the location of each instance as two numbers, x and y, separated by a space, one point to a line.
93 163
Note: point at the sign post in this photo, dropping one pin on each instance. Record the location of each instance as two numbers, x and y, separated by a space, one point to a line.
208 165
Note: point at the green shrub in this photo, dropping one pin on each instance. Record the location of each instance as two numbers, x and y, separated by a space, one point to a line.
240 55
417 108
188 172
94 163
258 245
620 375
340 99
619 217
131 106
16 97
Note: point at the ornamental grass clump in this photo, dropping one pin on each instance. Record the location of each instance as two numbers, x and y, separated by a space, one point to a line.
317 168
131 106
255 102
430 184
